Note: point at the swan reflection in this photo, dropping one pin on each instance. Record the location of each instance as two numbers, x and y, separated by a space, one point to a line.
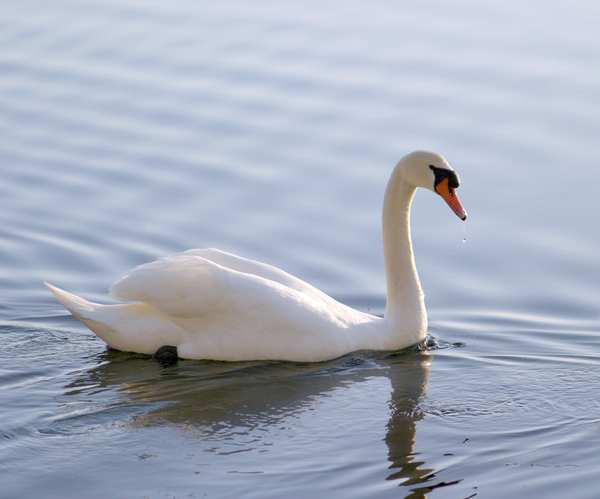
215 400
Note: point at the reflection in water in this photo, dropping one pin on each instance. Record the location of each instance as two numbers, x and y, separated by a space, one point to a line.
213 401
408 390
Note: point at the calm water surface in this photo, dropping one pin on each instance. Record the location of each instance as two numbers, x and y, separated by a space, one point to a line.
130 130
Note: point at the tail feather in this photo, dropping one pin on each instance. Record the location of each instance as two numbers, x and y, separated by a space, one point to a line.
130 327
71 302
87 312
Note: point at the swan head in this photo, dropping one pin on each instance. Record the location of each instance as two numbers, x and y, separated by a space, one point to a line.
431 171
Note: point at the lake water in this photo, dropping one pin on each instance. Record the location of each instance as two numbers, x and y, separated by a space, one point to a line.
134 129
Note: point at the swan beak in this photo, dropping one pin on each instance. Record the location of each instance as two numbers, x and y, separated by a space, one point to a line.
449 195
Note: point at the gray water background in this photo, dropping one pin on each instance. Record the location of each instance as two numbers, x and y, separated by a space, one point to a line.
130 130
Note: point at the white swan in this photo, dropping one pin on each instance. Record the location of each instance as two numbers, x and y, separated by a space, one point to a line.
214 305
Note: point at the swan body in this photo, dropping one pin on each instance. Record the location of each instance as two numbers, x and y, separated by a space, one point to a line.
214 305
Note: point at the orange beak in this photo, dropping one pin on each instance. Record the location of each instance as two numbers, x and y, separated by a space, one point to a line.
449 195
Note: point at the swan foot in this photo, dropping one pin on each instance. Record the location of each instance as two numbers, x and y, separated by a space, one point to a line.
166 355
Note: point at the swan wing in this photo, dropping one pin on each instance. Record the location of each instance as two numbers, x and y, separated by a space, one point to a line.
177 285
247 266
188 285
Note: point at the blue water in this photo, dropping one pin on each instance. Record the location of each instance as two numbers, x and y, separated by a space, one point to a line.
130 130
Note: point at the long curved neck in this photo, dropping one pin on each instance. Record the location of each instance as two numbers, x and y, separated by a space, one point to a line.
405 300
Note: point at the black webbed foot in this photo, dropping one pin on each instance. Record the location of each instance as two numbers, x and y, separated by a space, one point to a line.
166 355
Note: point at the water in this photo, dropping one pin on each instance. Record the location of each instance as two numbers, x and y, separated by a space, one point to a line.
131 130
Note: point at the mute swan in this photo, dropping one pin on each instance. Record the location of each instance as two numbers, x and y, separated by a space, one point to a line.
208 304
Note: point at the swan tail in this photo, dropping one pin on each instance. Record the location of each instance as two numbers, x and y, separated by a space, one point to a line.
129 327
73 303
86 311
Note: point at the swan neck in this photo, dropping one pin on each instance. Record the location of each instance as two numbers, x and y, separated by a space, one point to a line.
405 299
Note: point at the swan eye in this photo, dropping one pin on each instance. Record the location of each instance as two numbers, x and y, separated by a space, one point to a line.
442 173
